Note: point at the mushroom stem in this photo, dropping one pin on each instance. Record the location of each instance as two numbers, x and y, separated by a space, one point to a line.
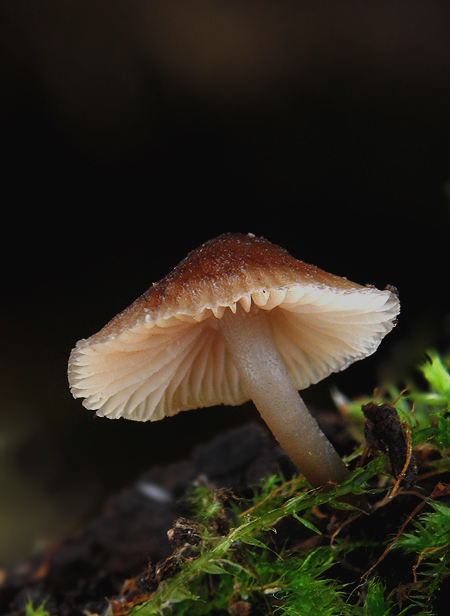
250 342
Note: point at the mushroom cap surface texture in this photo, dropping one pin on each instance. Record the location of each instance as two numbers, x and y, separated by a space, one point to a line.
165 353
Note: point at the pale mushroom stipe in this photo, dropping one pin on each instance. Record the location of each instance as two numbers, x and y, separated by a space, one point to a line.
237 319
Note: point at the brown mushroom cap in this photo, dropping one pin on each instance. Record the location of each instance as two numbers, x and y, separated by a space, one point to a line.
165 353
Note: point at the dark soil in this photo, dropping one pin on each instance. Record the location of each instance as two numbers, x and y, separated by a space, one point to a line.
77 575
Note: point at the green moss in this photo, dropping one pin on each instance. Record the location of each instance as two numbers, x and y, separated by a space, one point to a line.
337 567
32 611
292 550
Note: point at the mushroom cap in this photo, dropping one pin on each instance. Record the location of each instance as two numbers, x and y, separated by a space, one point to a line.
165 352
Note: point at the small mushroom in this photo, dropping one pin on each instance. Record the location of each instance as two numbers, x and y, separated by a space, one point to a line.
237 319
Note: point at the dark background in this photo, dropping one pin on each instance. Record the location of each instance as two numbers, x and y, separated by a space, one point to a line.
132 132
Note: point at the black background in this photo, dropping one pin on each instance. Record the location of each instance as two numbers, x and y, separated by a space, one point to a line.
132 132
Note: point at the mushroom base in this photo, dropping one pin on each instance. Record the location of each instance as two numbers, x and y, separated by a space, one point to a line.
250 342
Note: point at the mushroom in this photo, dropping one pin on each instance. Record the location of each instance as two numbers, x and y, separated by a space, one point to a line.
237 319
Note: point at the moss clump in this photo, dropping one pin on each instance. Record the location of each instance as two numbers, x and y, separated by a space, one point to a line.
372 546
